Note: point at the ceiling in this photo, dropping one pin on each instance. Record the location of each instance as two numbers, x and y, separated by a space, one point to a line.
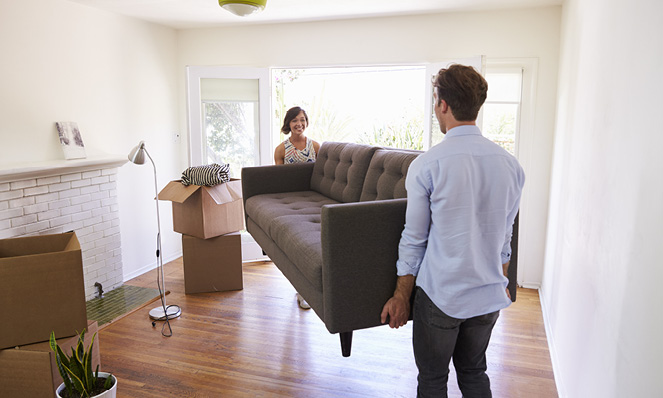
186 14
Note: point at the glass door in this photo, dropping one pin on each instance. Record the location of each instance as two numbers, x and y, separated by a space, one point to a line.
228 117
228 111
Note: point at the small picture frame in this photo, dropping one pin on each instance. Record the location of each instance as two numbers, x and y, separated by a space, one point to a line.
70 140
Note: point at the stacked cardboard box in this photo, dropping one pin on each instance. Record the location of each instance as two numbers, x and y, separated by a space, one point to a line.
30 370
209 219
41 290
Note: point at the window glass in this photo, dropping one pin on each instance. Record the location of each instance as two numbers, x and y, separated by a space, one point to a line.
501 111
231 134
230 122
367 105
503 86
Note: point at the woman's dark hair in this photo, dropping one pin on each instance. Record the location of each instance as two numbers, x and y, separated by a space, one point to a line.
289 115
464 90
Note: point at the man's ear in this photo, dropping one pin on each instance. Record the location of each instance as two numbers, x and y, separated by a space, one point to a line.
443 106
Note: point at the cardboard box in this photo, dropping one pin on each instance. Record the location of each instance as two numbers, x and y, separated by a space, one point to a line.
212 265
205 212
41 288
31 370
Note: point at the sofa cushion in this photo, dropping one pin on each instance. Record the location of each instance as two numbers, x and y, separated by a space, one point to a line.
386 174
292 221
299 237
340 170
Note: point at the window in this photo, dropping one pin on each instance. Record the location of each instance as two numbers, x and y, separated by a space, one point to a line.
501 111
230 122
228 116
367 105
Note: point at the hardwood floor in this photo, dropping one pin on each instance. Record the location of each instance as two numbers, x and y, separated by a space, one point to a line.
256 342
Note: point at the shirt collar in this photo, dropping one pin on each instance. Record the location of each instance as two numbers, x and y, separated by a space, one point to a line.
463 130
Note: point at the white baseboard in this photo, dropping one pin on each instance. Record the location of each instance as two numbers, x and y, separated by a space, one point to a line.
151 266
561 392
530 285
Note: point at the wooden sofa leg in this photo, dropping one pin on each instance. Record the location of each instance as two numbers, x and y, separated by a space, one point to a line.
346 343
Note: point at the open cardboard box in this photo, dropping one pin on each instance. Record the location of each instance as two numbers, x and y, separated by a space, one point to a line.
31 370
212 265
41 288
205 212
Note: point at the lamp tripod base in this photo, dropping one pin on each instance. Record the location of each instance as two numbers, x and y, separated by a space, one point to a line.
158 313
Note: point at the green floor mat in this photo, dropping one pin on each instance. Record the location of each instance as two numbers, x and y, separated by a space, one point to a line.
118 302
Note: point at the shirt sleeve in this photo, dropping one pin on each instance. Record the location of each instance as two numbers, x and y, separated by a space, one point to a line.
414 238
506 249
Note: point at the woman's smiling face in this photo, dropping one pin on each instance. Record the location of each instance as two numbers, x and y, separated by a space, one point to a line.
298 124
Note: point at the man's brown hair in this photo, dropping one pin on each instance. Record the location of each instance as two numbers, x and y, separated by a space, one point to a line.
463 89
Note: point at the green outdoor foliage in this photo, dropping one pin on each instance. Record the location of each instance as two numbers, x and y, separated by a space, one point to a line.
281 78
502 131
76 370
228 140
407 135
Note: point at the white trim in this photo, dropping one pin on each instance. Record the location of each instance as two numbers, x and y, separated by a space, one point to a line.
535 286
554 359
527 123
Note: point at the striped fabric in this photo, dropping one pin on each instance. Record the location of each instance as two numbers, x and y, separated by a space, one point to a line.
294 155
210 174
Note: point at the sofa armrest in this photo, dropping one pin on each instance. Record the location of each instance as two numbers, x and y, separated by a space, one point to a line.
274 179
359 254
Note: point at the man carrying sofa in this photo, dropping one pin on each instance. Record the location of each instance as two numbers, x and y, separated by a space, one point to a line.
462 198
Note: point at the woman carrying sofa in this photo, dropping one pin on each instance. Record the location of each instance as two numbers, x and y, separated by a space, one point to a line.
297 148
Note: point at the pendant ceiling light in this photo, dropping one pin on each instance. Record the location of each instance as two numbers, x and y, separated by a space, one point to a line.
243 8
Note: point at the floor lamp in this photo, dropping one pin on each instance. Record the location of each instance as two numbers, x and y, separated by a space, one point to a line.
165 312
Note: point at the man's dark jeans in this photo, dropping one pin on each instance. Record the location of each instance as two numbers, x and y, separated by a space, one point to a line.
438 337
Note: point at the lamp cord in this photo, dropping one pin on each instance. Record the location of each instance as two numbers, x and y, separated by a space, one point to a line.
162 293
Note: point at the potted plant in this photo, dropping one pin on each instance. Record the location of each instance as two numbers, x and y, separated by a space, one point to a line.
76 370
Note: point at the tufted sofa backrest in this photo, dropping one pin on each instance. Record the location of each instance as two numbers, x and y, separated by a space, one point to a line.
340 170
386 174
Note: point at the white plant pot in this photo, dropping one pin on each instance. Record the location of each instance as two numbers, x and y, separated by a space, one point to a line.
106 394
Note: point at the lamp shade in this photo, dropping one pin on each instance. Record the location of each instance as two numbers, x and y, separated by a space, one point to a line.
137 155
243 8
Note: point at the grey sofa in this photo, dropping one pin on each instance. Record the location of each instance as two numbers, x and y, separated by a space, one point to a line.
332 227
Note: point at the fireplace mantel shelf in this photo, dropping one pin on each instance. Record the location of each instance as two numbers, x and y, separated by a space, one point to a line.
24 171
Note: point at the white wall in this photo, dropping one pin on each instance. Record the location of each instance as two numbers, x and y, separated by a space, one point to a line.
601 289
116 77
413 39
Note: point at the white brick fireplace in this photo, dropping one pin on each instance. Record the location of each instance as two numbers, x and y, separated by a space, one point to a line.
60 196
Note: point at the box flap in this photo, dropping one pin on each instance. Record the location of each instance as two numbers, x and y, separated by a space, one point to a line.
175 191
226 192
40 244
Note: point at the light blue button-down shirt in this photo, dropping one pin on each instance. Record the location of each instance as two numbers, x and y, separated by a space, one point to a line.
462 198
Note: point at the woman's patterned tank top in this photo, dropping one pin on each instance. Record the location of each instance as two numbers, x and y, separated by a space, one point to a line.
294 155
